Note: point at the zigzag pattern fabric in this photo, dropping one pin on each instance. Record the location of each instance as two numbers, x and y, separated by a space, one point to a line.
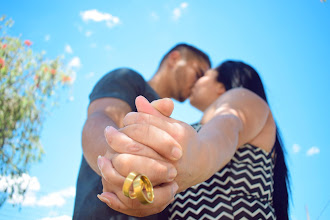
241 190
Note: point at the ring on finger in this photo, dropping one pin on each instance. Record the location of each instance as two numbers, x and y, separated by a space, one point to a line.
127 185
140 182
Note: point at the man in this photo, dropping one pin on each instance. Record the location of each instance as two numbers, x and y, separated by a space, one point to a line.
111 99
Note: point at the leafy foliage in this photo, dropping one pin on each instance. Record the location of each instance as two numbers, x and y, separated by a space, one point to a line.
28 87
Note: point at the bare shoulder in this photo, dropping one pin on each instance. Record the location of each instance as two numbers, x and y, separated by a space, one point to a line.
254 113
241 99
239 95
256 116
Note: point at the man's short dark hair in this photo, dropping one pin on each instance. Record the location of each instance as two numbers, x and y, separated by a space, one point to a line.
191 49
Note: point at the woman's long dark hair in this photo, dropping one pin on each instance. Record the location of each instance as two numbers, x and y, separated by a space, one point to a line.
235 74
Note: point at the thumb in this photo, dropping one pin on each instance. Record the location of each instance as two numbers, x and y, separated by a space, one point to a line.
161 107
164 106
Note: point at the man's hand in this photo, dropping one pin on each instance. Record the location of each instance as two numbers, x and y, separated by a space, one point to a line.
112 189
156 136
148 144
141 159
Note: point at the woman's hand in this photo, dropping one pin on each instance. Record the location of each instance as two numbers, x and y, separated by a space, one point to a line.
157 136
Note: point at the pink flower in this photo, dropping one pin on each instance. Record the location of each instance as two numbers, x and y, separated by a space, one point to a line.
66 79
2 63
53 71
45 69
28 43
4 46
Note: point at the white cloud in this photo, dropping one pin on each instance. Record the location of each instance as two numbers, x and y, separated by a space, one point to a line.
62 217
184 5
32 187
74 62
313 150
68 49
96 16
113 22
56 198
52 199
177 12
30 184
88 33
296 148
27 182
47 37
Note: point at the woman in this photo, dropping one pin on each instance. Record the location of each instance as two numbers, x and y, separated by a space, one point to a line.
256 177
235 164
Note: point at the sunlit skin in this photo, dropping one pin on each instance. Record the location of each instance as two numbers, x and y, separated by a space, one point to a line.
232 119
111 112
187 73
177 76
206 86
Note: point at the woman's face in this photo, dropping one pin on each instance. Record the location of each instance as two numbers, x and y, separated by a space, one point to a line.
206 90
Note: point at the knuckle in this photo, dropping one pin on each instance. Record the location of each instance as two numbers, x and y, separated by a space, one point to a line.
140 118
134 147
105 185
161 169
122 164
148 119
129 118
170 142
142 133
178 133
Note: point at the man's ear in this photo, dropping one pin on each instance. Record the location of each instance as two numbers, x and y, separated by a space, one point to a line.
173 57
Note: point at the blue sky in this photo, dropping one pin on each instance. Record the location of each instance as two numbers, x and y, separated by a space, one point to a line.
288 42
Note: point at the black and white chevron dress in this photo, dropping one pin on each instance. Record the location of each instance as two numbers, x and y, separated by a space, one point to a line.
241 190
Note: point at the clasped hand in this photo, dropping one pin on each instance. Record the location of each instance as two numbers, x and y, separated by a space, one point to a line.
152 143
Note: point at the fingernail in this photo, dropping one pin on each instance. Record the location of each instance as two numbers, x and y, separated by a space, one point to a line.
107 129
103 199
99 162
176 153
110 129
172 173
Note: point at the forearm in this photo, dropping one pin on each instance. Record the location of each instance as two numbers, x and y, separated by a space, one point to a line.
219 140
93 139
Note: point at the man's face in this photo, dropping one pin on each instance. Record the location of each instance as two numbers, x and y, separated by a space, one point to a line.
187 72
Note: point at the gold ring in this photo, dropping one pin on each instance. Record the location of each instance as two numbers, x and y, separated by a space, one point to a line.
127 185
139 183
